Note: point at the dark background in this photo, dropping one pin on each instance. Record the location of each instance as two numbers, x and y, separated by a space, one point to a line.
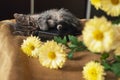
77 7
100 13
9 7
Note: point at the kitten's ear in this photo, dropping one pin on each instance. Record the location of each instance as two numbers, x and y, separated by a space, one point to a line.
64 10
18 16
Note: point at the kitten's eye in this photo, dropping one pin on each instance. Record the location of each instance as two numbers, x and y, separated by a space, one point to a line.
31 24
49 17
61 16
59 27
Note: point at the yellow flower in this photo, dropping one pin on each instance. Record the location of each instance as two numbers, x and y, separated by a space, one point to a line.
98 35
117 35
93 71
52 55
117 39
96 3
112 7
117 51
31 45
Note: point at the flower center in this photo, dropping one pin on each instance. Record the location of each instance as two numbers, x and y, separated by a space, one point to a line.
32 47
51 55
98 35
95 1
93 72
115 2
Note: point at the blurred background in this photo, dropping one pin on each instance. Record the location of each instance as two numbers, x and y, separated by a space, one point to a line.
9 7
80 8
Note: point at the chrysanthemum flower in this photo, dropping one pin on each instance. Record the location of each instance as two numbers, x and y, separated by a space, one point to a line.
31 45
117 51
96 3
52 55
117 35
98 35
117 41
93 71
112 7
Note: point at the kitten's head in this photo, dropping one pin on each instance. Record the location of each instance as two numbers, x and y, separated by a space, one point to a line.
20 18
66 22
24 20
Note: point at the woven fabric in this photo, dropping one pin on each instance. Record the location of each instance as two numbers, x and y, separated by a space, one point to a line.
14 65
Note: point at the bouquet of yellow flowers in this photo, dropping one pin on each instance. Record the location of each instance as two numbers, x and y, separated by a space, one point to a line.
100 36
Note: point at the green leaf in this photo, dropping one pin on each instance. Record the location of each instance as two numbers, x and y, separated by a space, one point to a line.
57 39
65 39
106 65
72 46
116 68
104 56
96 52
80 49
82 45
117 21
77 47
60 40
73 39
70 54
117 58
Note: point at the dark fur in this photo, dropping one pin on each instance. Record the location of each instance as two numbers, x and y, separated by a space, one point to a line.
60 20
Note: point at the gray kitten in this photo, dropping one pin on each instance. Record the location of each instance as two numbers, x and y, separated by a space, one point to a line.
60 20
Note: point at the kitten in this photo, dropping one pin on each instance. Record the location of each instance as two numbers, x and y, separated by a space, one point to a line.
60 20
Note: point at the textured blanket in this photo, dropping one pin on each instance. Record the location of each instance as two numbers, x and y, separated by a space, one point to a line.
14 65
